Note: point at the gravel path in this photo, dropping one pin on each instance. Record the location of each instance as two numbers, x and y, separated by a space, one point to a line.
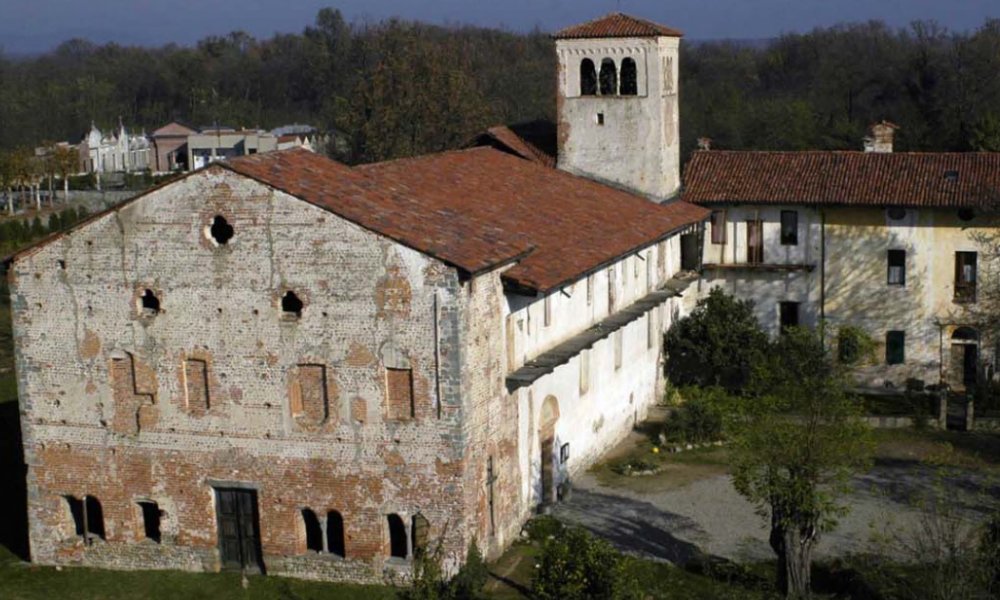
708 516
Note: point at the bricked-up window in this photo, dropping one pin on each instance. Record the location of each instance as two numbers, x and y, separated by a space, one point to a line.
650 329
88 517
421 533
221 231
630 78
547 309
789 228
617 337
397 537
291 305
588 78
897 267
149 304
895 347
399 385
196 385
313 531
150 520
609 77
590 290
718 227
965 276
335 537
309 393
584 372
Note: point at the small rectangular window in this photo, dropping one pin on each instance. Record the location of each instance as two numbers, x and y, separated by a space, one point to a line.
399 387
584 372
895 347
897 267
547 305
151 520
789 228
718 227
965 276
308 393
650 329
590 290
788 315
635 266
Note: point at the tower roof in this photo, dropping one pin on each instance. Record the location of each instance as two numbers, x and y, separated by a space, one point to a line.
616 25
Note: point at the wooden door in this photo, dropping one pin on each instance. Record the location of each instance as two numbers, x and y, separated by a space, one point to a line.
548 471
239 530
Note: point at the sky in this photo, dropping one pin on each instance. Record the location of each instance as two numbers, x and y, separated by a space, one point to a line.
28 26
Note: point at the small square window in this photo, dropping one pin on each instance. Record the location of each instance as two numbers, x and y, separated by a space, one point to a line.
600 118
895 347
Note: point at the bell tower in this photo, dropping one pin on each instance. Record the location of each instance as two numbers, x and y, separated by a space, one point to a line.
617 105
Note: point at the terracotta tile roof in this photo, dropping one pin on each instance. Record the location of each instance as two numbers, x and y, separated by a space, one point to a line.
534 141
575 225
616 25
401 214
844 178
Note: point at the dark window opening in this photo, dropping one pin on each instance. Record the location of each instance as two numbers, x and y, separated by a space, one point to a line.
897 267
600 118
397 537
335 534
221 231
588 78
630 78
895 347
967 214
150 303
609 77
291 305
789 228
848 347
76 511
718 227
62 265
965 276
88 518
897 214
151 520
420 531
314 532
788 315
951 175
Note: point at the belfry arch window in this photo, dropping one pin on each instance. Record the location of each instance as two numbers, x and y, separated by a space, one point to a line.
630 78
588 78
609 78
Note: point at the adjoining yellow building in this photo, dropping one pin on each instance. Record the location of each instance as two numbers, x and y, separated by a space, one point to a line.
895 244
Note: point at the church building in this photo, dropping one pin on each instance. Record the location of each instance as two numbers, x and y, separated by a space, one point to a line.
282 364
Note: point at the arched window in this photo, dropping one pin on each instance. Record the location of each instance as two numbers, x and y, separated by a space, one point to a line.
314 533
335 534
609 78
421 534
588 78
630 78
397 537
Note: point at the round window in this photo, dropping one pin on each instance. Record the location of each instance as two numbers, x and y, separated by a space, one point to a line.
966 214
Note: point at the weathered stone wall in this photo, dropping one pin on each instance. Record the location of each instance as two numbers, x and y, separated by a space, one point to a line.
113 407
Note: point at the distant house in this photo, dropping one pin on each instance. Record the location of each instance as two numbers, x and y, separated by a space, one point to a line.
219 143
170 146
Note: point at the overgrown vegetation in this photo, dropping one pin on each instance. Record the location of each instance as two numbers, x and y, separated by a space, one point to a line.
18 233
574 565
698 416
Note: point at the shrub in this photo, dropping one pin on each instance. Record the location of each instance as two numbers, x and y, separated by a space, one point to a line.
468 583
699 418
429 582
542 528
855 346
576 566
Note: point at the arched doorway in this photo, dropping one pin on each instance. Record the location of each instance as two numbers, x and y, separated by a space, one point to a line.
547 443
963 371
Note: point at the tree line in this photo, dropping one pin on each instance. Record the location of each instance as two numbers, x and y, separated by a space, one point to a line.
396 88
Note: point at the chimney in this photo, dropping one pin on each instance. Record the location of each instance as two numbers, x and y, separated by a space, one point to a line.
881 136
704 143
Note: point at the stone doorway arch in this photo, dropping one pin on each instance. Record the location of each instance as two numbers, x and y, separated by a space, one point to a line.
547 444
